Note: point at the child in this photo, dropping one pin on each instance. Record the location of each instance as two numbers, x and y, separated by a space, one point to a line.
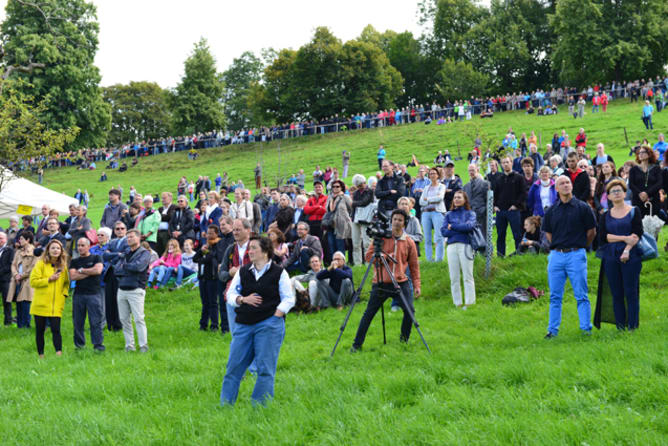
191 190
162 269
534 240
187 267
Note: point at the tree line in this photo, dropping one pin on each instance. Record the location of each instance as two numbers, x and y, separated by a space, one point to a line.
465 49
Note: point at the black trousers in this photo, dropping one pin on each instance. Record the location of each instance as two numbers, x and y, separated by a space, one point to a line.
379 294
208 293
6 306
40 328
111 303
162 239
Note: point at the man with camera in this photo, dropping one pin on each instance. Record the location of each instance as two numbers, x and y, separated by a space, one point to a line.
403 249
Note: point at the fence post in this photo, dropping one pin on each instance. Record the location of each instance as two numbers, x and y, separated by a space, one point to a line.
490 216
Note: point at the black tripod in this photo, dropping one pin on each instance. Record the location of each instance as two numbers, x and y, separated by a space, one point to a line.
379 258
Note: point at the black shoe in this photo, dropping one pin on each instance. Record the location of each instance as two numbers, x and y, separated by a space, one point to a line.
214 328
202 328
550 336
354 349
403 339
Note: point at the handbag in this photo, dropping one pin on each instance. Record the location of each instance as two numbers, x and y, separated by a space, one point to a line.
327 221
365 214
91 235
477 240
648 247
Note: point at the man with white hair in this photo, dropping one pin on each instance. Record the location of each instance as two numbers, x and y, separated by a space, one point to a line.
149 223
338 290
257 212
40 220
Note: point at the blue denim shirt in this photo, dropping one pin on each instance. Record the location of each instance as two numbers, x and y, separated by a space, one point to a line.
461 222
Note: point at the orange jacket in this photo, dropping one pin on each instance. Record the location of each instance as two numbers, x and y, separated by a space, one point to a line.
403 250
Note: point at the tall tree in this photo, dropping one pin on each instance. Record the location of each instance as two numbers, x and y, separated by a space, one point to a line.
23 134
139 111
370 81
418 69
278 94
61 35
197 100
459 80
601 40
238 79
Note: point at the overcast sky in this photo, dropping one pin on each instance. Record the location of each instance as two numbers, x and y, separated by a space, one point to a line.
148 40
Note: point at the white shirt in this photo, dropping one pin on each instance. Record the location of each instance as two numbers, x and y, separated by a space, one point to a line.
242 251
284 289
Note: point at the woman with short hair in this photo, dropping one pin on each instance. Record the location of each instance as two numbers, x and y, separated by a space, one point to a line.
362 204
432 203
261 294
340 205
620 229
645 181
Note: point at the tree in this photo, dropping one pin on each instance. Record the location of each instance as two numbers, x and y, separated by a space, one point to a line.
61 35
418 69
139 111
601 40
458 80
317 68
23 134
370 81
197 101
238 79
278 95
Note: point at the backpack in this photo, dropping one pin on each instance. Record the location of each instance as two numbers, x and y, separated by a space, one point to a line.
521 295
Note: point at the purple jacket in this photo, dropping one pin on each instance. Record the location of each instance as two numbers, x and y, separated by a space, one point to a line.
534 203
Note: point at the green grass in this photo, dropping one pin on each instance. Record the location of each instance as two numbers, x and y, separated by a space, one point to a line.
491 379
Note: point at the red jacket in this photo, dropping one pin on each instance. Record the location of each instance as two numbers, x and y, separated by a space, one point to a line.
315 207
581 140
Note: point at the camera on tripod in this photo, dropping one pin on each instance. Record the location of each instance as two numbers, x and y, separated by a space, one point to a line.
379 228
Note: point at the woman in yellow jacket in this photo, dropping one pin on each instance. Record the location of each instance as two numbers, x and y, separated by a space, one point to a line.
51 283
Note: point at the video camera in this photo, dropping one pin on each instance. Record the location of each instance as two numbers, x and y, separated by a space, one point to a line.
379 228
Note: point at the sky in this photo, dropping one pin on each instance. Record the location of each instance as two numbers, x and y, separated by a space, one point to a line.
148 40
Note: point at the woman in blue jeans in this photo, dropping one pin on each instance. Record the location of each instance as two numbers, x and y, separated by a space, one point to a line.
620 229
261 294
433 209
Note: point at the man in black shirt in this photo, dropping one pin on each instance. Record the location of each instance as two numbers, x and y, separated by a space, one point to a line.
86 270
6 258
509 200
570 227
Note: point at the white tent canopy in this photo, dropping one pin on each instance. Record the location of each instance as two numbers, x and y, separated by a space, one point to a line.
26 194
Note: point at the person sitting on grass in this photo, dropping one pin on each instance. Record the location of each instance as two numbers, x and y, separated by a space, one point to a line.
339 290
312 283
163 268
534 240
187 267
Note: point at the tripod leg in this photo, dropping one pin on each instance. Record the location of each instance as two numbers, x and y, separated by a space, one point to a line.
355 299
403 299
382 318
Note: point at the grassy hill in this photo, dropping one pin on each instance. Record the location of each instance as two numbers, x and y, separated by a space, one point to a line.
491 379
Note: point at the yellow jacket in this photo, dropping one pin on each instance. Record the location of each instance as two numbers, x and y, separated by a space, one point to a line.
49 297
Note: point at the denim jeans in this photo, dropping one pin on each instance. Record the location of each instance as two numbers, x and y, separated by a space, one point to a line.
335 244
573 266
433 221
23 314
259 343
208 293
182 272
503 219
161 275
92 304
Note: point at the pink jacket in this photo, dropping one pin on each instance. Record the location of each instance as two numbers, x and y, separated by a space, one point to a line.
169 260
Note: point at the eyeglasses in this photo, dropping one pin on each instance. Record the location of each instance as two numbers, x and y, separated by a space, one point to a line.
336 187
616 191
119 229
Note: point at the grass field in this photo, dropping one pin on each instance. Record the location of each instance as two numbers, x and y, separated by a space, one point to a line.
491 379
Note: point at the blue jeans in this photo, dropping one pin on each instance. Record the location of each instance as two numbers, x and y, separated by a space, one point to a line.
259 343
571 265
161 275
181 273
503 218
23 314
335 244
433 221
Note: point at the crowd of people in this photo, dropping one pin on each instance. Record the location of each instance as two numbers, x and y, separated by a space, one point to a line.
254 259
541 102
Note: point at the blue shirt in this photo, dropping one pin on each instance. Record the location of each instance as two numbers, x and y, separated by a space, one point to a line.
647 110
661 147
568 223
381 154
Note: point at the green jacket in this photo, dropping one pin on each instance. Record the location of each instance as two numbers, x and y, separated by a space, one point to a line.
150 224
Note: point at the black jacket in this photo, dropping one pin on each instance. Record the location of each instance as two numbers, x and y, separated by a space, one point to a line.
46 239
509 191
184 222
581 186
387 201
209 261
6 258
132 269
